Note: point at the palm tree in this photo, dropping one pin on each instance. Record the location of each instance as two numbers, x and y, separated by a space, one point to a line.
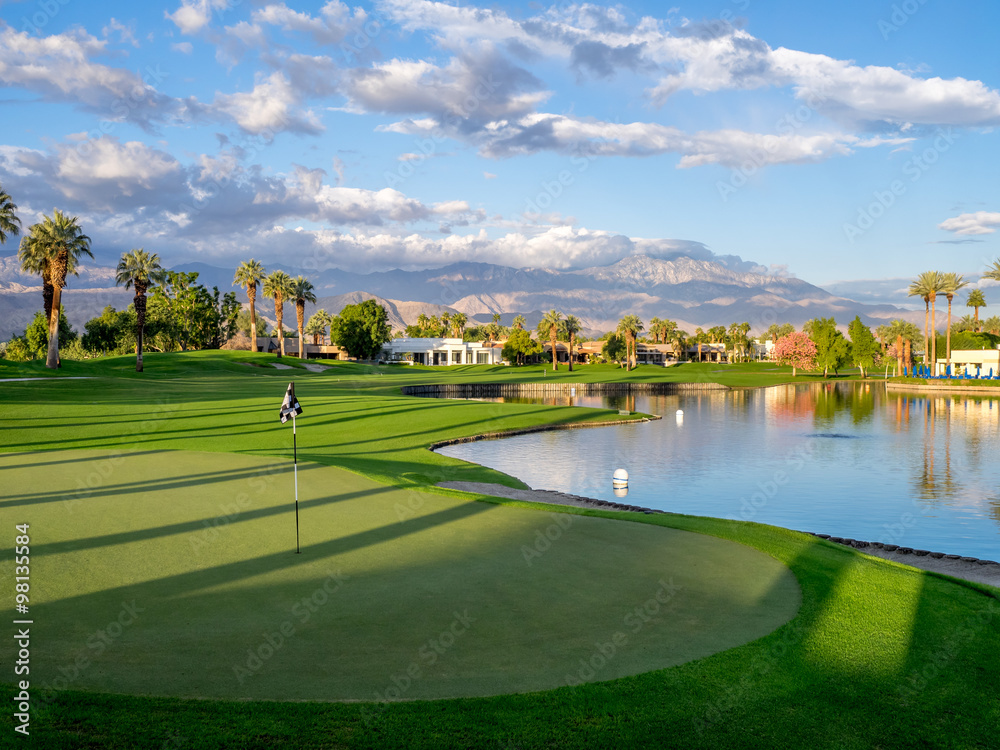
458 321
422 321
655 328
550 325
10 225
519 322
318 323
52 249
976 300
921 287
301 292
928 285
278 286
248 275
572 326
630 326
139 269
952 282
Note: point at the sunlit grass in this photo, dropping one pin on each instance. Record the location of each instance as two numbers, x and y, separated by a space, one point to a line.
878 656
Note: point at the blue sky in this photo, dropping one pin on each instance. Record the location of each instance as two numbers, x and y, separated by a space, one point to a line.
832 141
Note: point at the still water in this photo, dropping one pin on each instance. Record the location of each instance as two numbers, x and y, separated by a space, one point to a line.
845 459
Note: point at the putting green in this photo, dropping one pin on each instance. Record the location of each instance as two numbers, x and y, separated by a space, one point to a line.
175 573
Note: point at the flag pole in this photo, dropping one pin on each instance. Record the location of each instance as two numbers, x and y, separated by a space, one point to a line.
295 464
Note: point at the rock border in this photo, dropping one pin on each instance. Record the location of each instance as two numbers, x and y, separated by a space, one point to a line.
859 544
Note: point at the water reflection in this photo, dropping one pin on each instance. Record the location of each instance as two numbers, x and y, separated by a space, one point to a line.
845 459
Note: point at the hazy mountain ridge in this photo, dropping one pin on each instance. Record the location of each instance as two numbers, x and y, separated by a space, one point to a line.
695 293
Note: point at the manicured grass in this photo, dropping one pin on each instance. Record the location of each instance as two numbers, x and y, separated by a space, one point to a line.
878 656
202 545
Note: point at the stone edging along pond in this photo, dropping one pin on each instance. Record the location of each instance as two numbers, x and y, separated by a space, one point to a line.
953 389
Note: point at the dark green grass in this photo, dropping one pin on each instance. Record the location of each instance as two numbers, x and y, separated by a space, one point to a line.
878 656
202 545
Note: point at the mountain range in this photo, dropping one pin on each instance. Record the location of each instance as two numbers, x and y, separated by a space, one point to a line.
695 293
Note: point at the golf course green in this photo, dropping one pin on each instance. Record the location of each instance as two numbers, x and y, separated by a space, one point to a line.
170 608
483 600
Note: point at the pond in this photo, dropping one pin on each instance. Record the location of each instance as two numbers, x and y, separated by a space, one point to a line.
846 459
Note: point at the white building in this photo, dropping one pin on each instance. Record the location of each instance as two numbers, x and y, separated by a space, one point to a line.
441 352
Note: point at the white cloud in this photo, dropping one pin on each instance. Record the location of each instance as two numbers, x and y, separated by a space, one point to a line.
268 108
60 68
194 15
185 48
980 222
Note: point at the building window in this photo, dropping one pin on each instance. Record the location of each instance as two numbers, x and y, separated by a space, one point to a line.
482 358
456 357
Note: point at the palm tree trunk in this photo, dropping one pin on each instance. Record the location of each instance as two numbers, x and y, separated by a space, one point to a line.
252 294
52 356
300 314
279 313
978 330
571 352
552 338
927 324
899 355
947 334
140 323
934 333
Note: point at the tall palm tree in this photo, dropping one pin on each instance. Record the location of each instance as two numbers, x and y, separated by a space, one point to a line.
630 326
248 275
323 319
302 292
458 321
52 249
139 269
422 321
921 287
278 286
520 322
931 284
655 329
572 326
10 225
976 300
952 282
550 325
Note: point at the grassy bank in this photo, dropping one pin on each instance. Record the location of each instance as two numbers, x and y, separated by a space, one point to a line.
878 655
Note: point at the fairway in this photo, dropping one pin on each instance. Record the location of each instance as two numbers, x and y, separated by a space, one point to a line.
174 573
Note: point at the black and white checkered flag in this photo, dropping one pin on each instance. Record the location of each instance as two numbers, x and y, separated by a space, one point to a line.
290 406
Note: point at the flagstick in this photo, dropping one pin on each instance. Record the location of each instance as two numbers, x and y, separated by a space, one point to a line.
295 463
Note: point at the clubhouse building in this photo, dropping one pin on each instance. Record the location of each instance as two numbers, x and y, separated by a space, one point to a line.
442 351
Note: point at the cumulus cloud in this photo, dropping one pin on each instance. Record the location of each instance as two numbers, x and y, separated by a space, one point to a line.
60 68
271 107
194 15
711 57
980 222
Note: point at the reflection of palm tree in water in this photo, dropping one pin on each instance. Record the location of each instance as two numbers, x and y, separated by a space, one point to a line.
941 485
